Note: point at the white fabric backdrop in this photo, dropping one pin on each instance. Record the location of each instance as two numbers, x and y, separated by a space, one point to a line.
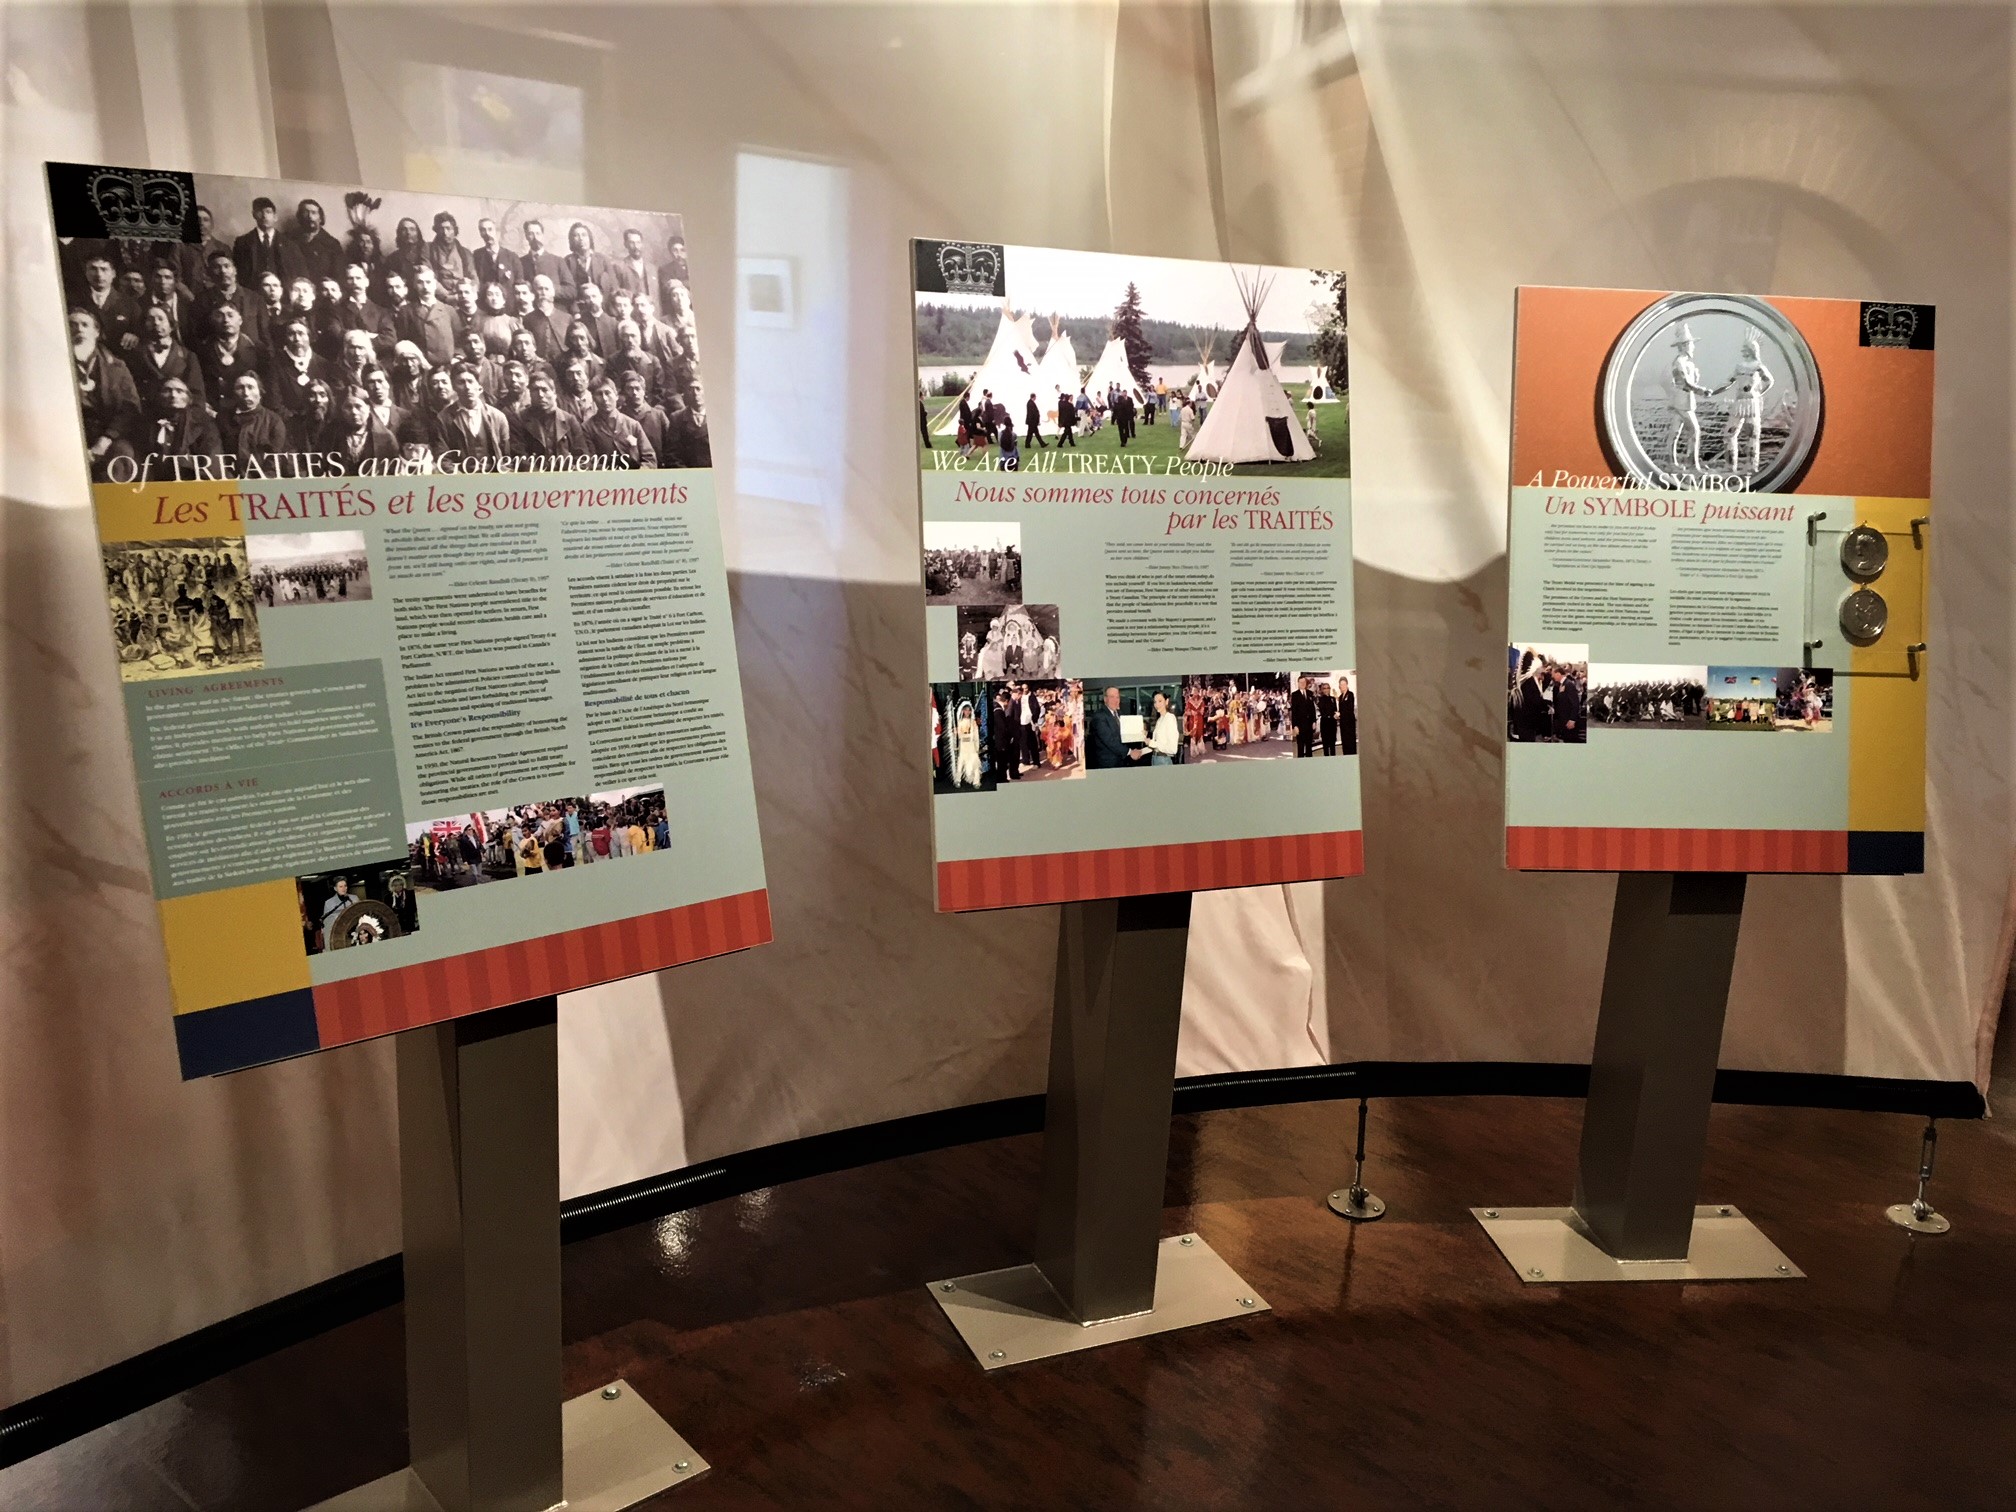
1442 154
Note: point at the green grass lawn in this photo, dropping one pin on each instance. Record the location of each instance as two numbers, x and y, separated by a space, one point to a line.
1333 430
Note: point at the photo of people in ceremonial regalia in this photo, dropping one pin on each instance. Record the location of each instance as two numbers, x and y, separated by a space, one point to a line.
1743 699
962 756
1647 696
1036 730
1806 700
534 839
364 904
309 567
972 562
1547 687
180 607
999 643
1133 723
383 332
1236 716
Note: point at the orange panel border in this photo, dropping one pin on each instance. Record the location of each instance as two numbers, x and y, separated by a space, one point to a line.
433 991
1072 876
1575 848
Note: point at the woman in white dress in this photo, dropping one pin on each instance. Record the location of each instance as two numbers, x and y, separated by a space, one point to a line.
966 748
1163 735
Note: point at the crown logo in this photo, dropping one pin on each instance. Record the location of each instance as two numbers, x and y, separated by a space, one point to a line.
1889 325
969 267
138 205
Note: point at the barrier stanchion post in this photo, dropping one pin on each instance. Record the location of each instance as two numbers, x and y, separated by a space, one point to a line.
1102 1271
479 1163
1651 1087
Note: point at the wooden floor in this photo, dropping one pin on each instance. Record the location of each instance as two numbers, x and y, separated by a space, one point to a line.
788 1335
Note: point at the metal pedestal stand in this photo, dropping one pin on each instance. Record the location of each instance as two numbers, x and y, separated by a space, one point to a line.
1101 1272
1354 1202
1651 1084
479 1164
1918 1215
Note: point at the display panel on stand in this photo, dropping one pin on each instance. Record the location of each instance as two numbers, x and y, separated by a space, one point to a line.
409 539
1719 535
1137 572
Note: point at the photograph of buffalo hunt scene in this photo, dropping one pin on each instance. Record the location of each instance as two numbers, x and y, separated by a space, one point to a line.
1030 359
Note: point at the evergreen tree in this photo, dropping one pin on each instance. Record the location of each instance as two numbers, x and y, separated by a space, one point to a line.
1330 347
1127 326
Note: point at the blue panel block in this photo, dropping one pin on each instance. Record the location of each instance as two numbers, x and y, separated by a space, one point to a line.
244 1034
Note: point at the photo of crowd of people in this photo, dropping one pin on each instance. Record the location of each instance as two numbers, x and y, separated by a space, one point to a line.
962 756
1036 730
181 606
1743 698
560 336
1547 693
1647 696
359 905
526 839
309 567
1002 643
1806 700
1266 716
972 562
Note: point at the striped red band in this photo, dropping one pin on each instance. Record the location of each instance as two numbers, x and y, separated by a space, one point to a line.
1066 877
365 1007
1561 848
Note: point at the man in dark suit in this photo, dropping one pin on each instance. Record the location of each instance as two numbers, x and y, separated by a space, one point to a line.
161 357
257 252
1104 749
311 252
535 260
1003 742
1032 420
105 391
493 263
1347 721
211 245
247 428
630 272
584 264
1123 416
222 288
294 370
1568 725
588 315
357 312
165 291
425 321
543 429
1326 717
1302 718
117 315
544 323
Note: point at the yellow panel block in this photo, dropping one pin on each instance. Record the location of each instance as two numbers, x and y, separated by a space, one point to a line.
1886 750
233 944
167 511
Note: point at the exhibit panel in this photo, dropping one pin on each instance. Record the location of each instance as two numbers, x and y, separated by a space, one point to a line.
1720 526
407 601
1160 492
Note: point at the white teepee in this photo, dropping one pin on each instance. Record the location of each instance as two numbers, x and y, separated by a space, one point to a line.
1204 384
1112 368
1252 419
1058 372
1010 372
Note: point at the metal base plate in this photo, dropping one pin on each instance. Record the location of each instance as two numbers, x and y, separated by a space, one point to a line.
1545 1245
1360 1209
618 1452
1906 1215
1009 1317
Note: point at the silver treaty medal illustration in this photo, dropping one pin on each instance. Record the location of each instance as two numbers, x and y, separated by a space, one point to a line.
1711 390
